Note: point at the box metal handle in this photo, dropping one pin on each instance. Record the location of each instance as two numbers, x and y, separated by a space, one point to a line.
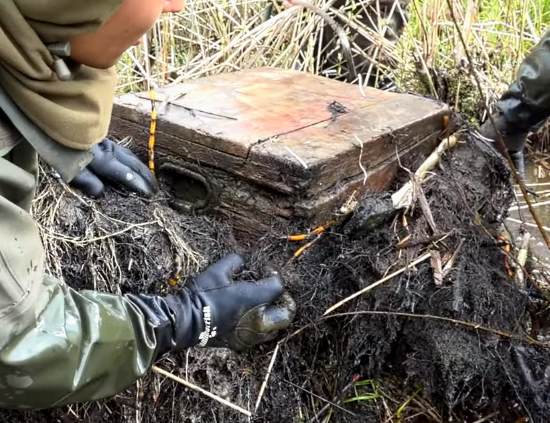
191 190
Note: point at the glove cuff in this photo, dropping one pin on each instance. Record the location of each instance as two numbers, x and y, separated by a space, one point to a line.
188 321
177 320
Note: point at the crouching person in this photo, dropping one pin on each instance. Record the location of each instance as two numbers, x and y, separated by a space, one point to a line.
58 345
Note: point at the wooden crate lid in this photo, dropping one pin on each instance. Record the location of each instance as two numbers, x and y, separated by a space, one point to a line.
293 131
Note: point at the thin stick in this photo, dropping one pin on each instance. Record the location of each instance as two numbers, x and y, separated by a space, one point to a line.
531 225
402 199
319 397
86 241
540 184
539 193
535 205
152 131
380 282
266 379
469 325
300 160
202 391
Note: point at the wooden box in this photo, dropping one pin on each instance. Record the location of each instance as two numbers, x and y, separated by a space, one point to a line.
265 146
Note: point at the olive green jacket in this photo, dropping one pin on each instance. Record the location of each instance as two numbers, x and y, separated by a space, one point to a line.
57 345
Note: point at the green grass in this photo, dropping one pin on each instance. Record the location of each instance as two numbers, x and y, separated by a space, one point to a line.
499 33
365 391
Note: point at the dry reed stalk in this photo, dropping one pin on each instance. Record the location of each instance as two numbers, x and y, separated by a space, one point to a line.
196 388
378 283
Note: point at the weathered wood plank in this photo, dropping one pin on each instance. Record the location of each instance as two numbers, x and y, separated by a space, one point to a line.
331 162
257 105
185 150
276 116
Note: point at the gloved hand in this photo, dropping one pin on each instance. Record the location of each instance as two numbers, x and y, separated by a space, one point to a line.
514 138
214 311
117 165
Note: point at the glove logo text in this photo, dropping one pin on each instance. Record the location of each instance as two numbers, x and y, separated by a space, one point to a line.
208 332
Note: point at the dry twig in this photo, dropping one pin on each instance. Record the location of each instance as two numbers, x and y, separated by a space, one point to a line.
266 379
403 198
437 267
378 283
522 259
201 390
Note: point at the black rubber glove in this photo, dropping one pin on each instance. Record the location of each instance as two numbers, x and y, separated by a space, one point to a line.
117 165
514 138
214 311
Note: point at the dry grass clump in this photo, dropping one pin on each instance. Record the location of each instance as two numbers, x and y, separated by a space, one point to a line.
211 37
498 33
146 250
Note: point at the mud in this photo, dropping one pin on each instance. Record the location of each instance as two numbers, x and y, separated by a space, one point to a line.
411 348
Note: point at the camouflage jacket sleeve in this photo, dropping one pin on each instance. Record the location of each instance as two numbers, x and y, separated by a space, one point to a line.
57 345
527 100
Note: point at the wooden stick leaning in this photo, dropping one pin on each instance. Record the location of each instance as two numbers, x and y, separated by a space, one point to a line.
403 198
266 379
201 390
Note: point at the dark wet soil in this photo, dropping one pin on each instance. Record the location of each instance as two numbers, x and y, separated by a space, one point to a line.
417 346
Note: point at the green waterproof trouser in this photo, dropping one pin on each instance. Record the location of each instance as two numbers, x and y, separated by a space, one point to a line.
57 345
527 101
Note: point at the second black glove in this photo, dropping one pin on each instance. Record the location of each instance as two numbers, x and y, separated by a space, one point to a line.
117 165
